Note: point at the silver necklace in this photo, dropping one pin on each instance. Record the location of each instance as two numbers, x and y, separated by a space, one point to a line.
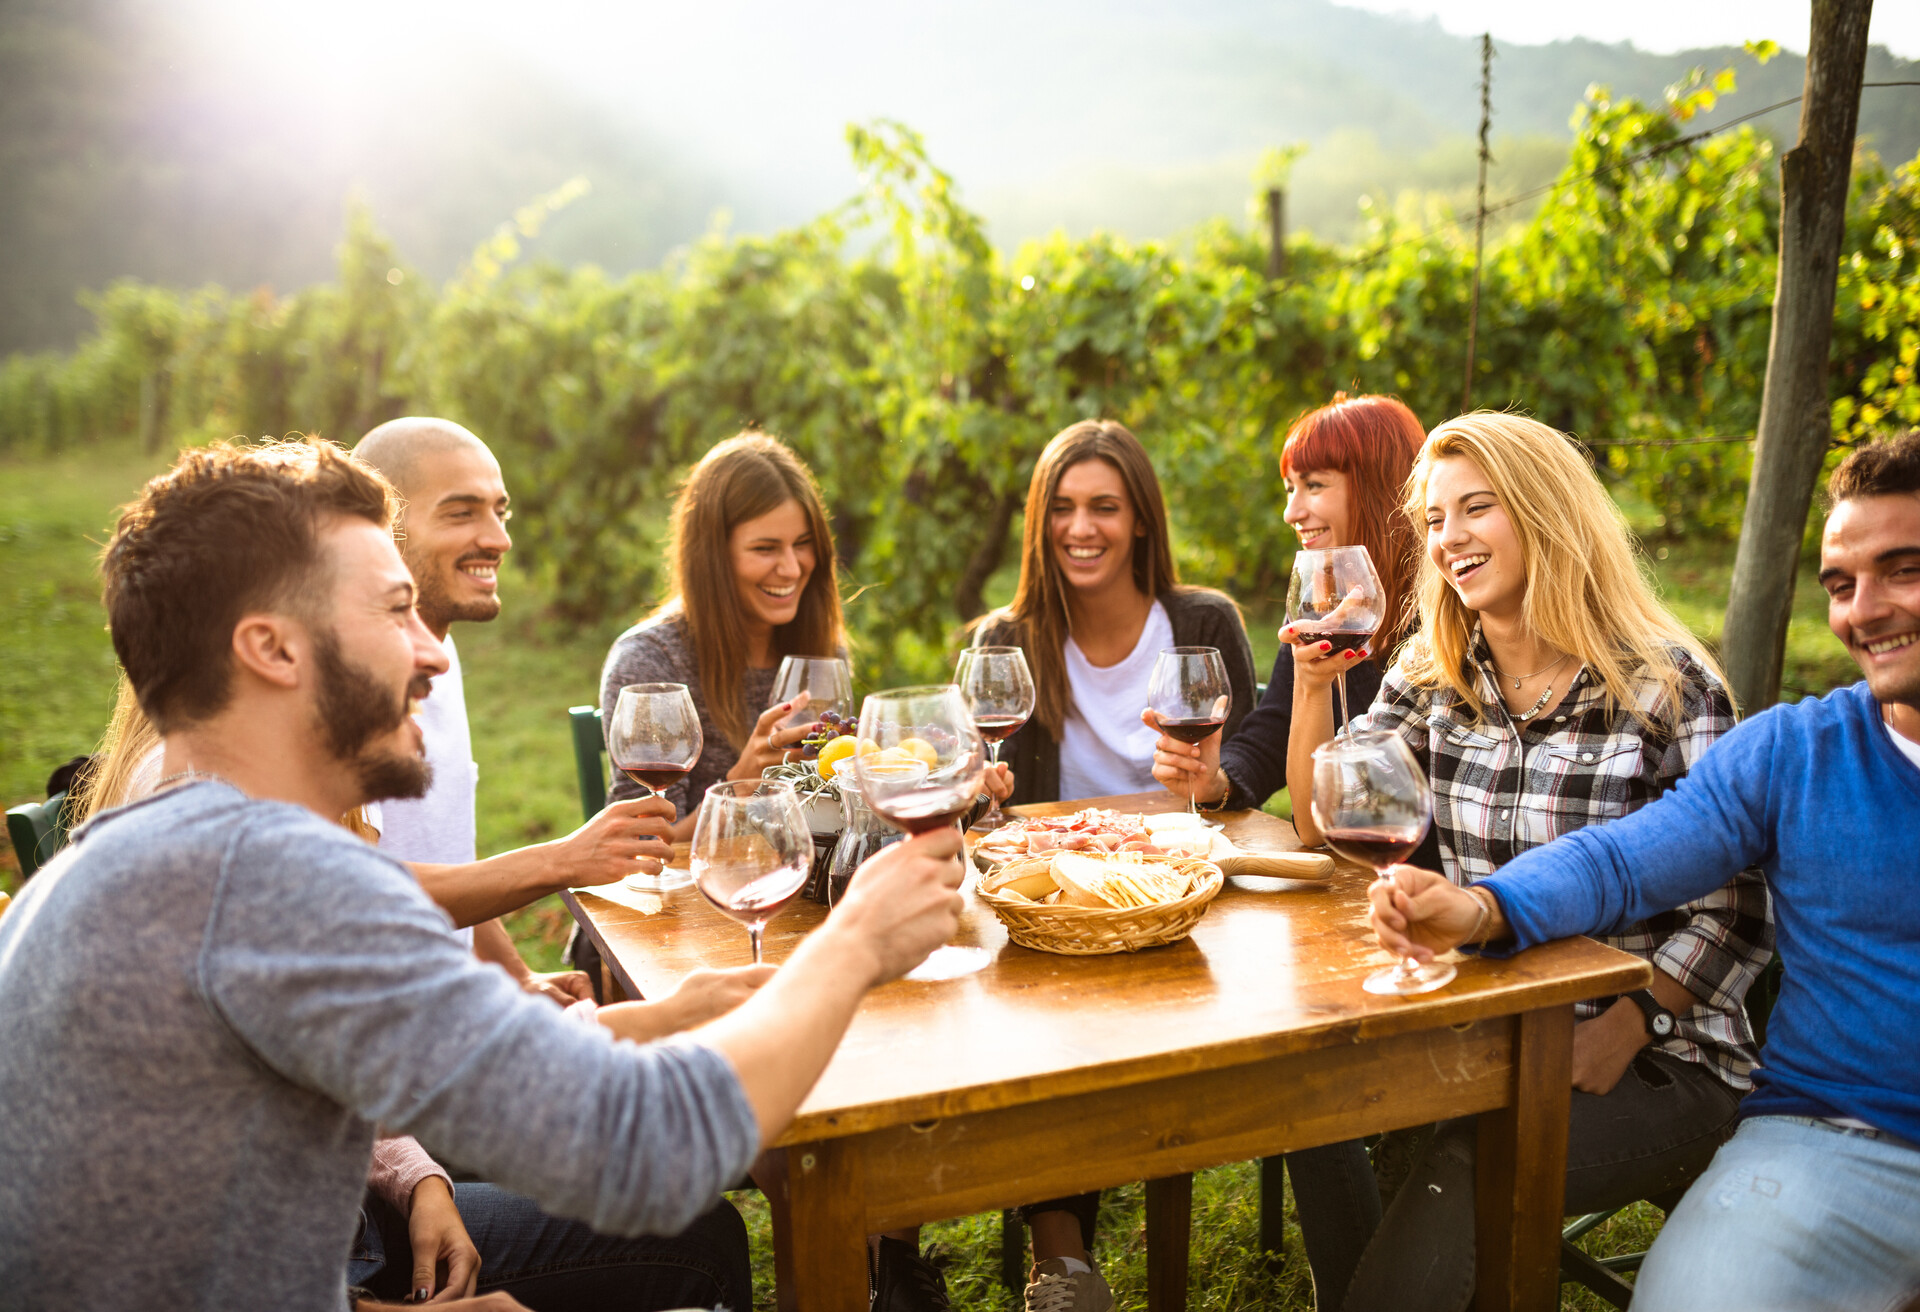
1536 708
1518 679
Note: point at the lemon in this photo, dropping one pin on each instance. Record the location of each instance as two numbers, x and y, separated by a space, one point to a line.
920 749
833 753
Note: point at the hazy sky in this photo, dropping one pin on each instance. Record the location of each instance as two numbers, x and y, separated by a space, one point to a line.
1658 25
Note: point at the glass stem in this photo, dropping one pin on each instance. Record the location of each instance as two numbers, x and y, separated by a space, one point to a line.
992 818
1346 729
753 933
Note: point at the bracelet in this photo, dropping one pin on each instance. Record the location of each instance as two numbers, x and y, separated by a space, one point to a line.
1220 805
1486 916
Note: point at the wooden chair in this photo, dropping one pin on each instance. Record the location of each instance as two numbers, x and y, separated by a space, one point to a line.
38 830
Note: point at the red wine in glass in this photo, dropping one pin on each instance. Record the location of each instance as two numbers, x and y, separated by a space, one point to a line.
1190 730
656 775
1343 639
762 899
996 729
925 809
1335 595
1377 848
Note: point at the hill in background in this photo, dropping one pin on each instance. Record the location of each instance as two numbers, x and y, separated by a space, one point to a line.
173 142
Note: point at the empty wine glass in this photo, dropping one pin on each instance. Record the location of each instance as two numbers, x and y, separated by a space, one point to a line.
998 688
751 850
1189 694
926 773
1335 596
654 739
826 681
1372 803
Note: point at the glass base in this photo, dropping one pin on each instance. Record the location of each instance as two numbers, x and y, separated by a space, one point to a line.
1401 981
950 962
666 881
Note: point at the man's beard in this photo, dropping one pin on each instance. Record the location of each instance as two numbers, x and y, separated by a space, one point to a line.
434 600
354 710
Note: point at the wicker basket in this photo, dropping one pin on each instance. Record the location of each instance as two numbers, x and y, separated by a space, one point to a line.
1094 931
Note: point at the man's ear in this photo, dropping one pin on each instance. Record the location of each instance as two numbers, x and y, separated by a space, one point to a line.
272 648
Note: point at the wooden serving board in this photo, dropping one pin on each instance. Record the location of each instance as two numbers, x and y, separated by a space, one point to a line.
1265 847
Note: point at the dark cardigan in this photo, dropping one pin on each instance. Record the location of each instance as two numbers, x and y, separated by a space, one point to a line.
1200 617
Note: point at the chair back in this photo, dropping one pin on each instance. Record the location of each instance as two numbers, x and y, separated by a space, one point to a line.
38 830
589 747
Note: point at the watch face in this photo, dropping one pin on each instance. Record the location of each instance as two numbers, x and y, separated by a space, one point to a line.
1663 1025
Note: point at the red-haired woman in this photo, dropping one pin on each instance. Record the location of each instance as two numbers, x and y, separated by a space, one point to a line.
1344 465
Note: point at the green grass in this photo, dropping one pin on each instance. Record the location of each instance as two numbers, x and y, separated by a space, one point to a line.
522 672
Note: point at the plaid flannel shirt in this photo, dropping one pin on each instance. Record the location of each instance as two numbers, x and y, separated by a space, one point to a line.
1500 789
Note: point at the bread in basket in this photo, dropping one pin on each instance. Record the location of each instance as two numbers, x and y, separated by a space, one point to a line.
1159 899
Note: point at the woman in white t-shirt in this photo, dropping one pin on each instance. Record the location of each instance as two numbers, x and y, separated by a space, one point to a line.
1098 600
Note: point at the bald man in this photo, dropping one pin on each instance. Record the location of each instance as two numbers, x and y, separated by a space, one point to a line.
453 537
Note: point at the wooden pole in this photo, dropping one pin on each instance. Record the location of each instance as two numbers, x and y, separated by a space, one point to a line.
1795 424
1480 214
1276 233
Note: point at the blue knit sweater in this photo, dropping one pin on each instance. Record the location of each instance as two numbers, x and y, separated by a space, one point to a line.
1822 800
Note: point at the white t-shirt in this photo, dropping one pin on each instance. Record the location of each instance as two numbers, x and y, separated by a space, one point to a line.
439 828
1908 747
1105 749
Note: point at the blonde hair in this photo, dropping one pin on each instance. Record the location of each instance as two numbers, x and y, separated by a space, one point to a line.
1585 593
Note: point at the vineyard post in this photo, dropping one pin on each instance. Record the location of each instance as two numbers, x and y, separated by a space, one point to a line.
1795 419
1276 232
1479 214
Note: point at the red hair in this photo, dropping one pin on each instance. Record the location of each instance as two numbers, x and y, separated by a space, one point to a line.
1373 441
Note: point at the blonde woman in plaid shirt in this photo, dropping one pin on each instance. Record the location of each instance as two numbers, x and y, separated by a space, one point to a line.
1547 689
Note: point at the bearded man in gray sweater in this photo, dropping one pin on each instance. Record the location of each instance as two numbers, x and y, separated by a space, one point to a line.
212 997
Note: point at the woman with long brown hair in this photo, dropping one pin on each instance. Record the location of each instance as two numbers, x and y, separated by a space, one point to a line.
1098 599
750 564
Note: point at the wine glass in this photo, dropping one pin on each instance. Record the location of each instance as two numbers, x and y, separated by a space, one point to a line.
926 773
1335 596
1372 802
1189 694
998 688
751 850
826 681
654 739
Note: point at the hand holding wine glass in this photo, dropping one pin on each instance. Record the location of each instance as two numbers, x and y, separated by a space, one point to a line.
1189 695
925 776
1334 598
654 739
998 688
1372 802
751 850
824 681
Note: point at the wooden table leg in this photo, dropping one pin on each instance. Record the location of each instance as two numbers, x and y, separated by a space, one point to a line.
827 1205
1169 1231
1520 1183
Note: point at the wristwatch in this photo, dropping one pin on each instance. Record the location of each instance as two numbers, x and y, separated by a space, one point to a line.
1659 1019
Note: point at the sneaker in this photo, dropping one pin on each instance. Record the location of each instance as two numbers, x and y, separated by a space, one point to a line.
904 1281
1056 1289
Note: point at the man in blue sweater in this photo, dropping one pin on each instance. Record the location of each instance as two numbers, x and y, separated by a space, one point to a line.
1815 1201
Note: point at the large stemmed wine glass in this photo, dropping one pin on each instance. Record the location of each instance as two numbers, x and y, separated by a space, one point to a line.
751 850
927 773
826 681
998 688
1372 803
1335 596
1189 694
654 739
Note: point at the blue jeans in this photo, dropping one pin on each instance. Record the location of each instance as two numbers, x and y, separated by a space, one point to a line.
1793 1213
552 1265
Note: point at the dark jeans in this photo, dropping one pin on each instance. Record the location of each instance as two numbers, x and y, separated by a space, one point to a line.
1655 1132
1338 1205
553 1265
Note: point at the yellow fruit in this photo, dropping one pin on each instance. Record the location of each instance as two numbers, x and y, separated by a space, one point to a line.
833 753
920 749
867 745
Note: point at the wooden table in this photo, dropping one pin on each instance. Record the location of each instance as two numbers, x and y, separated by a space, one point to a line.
1043 1075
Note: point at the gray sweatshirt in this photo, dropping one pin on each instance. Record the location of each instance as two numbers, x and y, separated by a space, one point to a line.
208 1002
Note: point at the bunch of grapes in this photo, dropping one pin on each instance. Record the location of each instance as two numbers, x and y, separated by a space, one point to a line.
832 725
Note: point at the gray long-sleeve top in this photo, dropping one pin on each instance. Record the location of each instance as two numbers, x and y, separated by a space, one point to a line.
208 1002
